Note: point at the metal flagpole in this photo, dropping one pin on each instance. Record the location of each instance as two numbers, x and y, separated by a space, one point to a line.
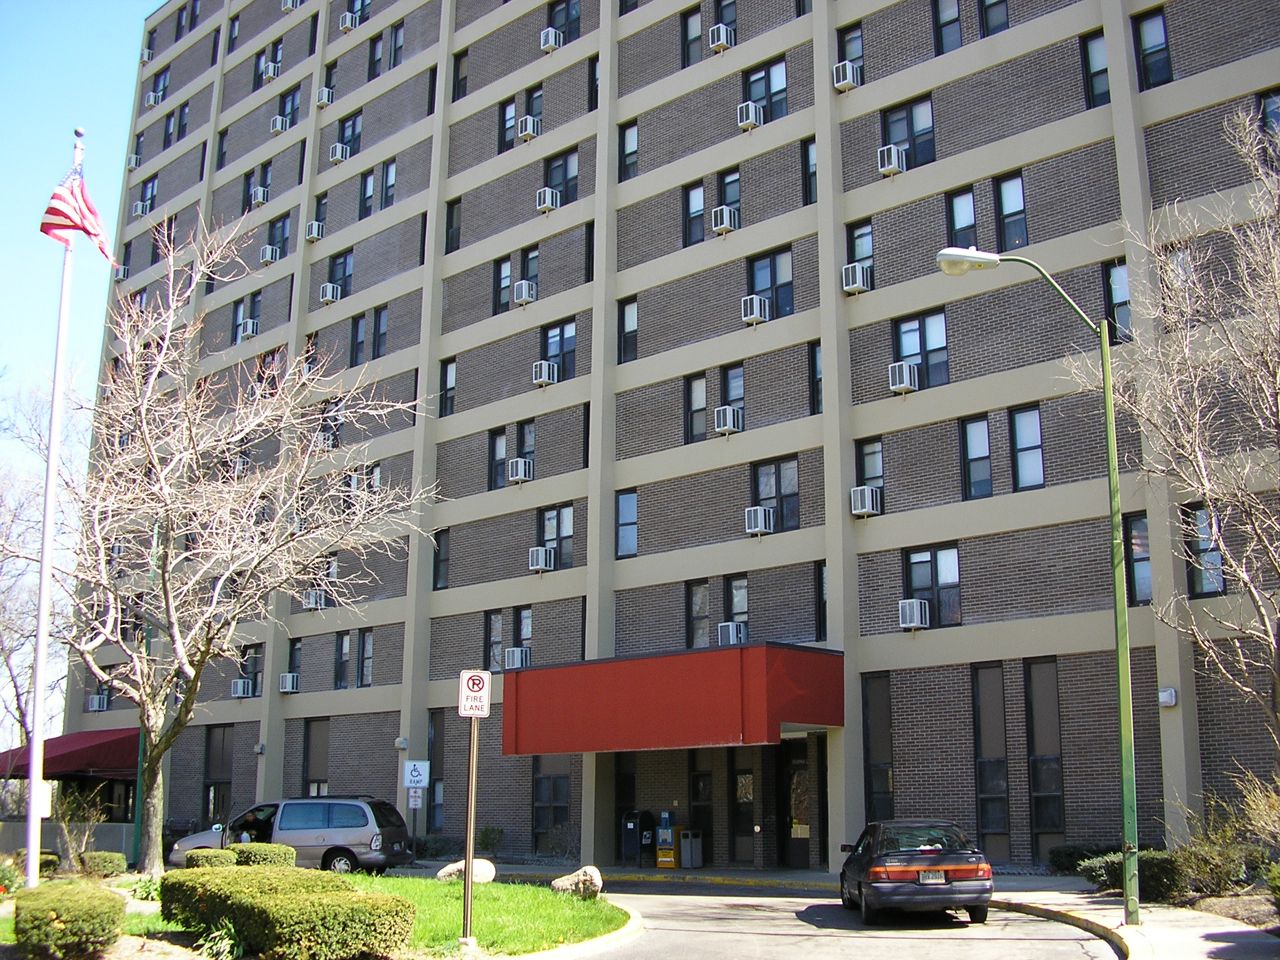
35 784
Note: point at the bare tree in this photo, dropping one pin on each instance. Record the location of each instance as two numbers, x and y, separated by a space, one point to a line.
1202 379
210 499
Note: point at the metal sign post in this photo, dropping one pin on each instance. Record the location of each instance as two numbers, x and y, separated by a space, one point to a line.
474 690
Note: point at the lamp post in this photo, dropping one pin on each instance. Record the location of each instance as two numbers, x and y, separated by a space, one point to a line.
954 262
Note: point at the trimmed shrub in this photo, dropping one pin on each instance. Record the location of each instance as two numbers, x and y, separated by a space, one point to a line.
103 863
67 920
1161 877
49 861
211 858
201 898
1273 882
326 926
264 854
1219 868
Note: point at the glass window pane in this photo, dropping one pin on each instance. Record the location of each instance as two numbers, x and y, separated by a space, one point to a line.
1011 195
948 566
790 479
1030 468
782 264
935 332
975 438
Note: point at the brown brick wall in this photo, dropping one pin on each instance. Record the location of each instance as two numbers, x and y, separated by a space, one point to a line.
1181 174
462 465
504 368
1203 35
497 548
1233 732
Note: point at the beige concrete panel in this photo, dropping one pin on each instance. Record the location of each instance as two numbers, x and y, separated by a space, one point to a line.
534 316
1193 93
716 559
513 498
533 403
518 591
335 619
765 443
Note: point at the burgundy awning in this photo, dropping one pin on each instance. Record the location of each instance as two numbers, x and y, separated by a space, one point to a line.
110 754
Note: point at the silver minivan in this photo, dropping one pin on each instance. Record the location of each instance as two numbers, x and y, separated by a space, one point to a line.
333 833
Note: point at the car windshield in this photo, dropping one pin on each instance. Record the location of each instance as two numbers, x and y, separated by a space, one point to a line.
387 816
922 838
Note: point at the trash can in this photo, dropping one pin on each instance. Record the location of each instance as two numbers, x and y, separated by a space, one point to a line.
690 848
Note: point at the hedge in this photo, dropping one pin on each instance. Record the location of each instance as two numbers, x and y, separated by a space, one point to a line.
49 861
264 854
325 926
1161 876
67 920
209 857
201 898
103 863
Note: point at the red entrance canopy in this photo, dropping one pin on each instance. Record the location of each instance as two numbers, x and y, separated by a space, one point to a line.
109 754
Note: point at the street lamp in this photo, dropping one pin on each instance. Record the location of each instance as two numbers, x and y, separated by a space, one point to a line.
955 262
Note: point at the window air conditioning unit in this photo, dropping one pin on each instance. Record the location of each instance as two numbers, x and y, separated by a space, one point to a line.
550 40
542 559
750 116
529 127
720 38
289 683
892 160
279 125
856 278
285 7
526 292
913 614
348 22
755 309
121 273
270 71
759 521
725 220
313 599
241 689
904 377
98 701
258 196
133 161
729 420
145 56
339 153
519 470
154 100
846 75
545 373
248 328
324 96
268 254
864 501
141 208
547 200
730 634
314 231
330 293
517 658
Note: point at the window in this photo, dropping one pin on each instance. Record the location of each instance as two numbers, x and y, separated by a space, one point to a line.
946 26
593 83
991 775
388 183
565 16
149 194
766 87
453 225
690 37
435 756
195 13
858 239
727 13
628 151
506 125
729 188
168 132
278 233
776 486
260 62
251 666
559 345
184 118
237 322
497 458
877 745
735 599
290 105
731 387
221 159
361 8
340 267
933 575
529 264
315 757
357 340
180 25
809 157
910 126
313 34
697 614
815 378
1011 212
526 439
331 75
869 456
502 285
364 662
550 798
1204 559
694 227
233 32
820 601
961 227
448 385
215 43
626 6
1152 46
322 207
1137 559
533 102
349 132
493 640
627 536
217 773
923 341
975 443
1093 59
440 561
310 354
555 527
562 174
1268 111
295 655
695 408
365 208
849 44
995 16
1028 449
459 75
522 620
341 661
1044 749
628 330
589 251
769 276
375 57
1116 290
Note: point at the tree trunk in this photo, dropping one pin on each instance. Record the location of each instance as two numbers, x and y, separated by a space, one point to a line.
151 858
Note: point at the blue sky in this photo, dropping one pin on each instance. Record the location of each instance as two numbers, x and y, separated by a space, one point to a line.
63 64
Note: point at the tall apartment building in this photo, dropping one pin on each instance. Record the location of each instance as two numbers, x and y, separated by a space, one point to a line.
650 266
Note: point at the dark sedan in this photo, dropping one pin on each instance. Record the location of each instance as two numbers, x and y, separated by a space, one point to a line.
915 865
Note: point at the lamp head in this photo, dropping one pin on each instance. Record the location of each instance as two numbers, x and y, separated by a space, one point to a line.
957 261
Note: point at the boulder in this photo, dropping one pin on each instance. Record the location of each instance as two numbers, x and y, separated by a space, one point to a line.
586 883
482 871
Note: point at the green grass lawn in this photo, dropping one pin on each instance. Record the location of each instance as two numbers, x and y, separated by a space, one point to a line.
137 924
6 930
505 917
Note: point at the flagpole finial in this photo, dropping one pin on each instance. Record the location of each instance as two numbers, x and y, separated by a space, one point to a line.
79 133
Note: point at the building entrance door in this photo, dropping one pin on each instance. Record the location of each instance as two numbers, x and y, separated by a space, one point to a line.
796 805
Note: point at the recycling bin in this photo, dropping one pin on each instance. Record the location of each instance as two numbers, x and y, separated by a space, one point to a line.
690 849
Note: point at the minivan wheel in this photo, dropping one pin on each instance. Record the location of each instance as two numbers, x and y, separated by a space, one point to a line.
340 861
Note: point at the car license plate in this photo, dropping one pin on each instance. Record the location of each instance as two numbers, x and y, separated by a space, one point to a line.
932 876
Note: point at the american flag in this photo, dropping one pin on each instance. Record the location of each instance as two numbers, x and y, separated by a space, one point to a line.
71 209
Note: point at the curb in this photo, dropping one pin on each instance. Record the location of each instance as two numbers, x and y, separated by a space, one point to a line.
1119 942
715 880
